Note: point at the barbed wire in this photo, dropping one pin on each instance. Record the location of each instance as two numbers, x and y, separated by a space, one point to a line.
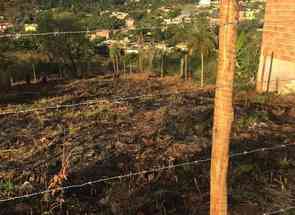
153 170
282 210
118 99
115 99
57 33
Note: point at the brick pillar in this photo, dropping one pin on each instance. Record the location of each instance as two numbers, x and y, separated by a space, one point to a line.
277 61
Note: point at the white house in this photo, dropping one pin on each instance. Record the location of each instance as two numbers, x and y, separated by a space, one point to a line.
31 27
119 15
130 23
205 3
4 26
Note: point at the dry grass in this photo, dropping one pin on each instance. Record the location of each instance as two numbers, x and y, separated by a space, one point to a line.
112 138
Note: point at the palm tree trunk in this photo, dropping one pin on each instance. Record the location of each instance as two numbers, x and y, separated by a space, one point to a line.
223 110
60 71
114 67
202 70
140 63
124 68
162 66
186 67
181 67
150 61
117 65
34 72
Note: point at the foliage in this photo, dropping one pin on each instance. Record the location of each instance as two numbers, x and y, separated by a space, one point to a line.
69 50
248 52
174 13
6 186
6 46
108 22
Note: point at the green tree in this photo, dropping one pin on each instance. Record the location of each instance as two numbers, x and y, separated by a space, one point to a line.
198 38
6 59
109 22
174 13
28 46
202 41
248 52
179 39
69 50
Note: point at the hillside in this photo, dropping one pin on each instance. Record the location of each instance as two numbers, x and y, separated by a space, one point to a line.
122 132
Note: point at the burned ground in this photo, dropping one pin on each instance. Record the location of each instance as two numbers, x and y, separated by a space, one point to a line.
124 132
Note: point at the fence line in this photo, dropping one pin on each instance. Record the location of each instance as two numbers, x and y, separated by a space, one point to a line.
116 99
56 33
157 169
282 210
19 35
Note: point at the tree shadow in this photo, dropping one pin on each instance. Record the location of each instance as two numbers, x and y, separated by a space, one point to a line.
28 93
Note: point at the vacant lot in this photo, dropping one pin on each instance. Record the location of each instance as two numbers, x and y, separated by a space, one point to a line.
136 124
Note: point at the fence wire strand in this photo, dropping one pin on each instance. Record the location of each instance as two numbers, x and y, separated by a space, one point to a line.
115 99
279 211
157 169
57 33
121 99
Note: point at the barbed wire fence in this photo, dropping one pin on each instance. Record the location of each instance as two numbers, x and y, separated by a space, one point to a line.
120 99
57 33
153 170
114 99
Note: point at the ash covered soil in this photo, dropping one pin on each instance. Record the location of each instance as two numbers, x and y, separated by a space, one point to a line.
125 132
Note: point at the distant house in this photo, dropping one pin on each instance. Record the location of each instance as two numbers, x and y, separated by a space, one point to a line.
182 47
100 34
130 23
131 51
205 3
119 15
31 27
161 46
178 20
277 60
247 14
4 26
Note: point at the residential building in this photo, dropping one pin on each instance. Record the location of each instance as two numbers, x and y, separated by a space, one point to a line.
277 61
247 14
103 34
31 27
182 47
4 26
119 15
205 3
178 20
130 24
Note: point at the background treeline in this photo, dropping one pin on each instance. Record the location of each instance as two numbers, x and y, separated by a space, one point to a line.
188 50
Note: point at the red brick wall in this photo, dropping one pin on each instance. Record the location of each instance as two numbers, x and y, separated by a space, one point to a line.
279 29
278 41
